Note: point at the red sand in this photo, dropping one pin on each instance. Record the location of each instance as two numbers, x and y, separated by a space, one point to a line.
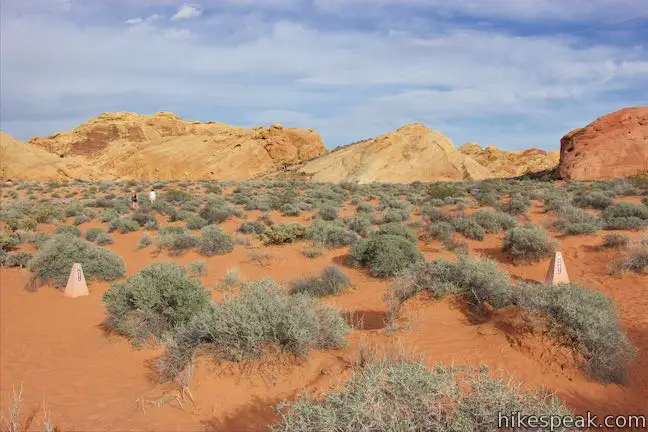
56 347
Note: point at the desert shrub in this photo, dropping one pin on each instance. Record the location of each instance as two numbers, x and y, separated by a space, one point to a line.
395 215
364 207
143 218
529 243
397 229
589 319
615 241
443 190
108 215
68 230
515 206
595 200
92 233
636 259
123 225
431 214
245 326
330 234
8 240
104 239
154 301
284 233
626 216
312 252
175 239
493 221
215 241
54 260
197 268
644 201
217 212
252 227
403 395
574 221
478 280
328 213
385 255
332 281
557 202
440 230
362 225
290 210
196 222
18 259
175 196
81 219
469 228
145 241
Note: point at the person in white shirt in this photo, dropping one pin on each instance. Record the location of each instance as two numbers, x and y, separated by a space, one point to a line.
152 196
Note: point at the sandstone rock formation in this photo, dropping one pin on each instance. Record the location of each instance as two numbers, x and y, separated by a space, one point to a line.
614 145
21 161
511 164
411 153
164 146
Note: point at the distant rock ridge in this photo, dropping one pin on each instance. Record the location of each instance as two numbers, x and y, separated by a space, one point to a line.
503 163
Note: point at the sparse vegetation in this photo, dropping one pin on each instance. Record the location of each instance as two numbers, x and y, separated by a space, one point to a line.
332 281
385 255
528 243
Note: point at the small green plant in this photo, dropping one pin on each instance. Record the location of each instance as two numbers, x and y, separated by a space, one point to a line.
332 281
153 302
252 227
92 233
312 252
68 230
394 228
215 241
615 241
55 258
18 259
385 255
197 268
145 241
330 234
282 233
175 239
104 239
196 223
528 243
231 280
574 221
123 225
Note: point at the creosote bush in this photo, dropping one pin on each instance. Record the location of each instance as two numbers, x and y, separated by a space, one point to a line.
54 260
332 281
528 243
385 255
404 395
153 302
262 316
215 241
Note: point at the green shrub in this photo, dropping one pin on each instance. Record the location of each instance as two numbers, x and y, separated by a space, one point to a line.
395 215
92 233
197 268
440 230
574 221
217 212
175 239
18 259
385 255
123 225
589 319
176 196
397 229
145 241
515 207
81 219
284 233
431 214
403 395
104 239
54 260
195 223
328 213
330 234
469 228
290 210
615 241
493 221
529 243
636 259
478 280
362 225
144 218
595 200
153 302
364 207
332 281
68 230
8 240
443 190
215 241
245 326
626 216
252 227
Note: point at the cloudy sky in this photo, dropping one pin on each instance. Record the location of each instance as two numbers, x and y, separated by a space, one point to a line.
515 73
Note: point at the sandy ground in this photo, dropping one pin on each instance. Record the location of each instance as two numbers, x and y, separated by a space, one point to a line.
91 381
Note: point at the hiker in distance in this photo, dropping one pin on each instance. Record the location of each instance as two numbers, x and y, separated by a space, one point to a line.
152 196
134 205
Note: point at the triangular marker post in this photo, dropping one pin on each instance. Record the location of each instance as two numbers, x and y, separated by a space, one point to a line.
557 272
76 284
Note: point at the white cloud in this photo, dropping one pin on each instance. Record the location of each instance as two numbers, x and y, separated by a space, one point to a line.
348 84
144 24
187 11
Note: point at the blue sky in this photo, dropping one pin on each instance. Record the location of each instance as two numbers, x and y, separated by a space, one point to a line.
514 73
